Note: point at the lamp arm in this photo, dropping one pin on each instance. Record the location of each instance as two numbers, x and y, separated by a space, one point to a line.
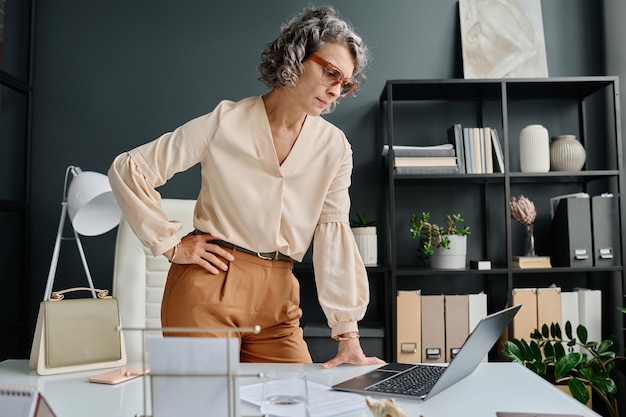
82 257
57 249
55 252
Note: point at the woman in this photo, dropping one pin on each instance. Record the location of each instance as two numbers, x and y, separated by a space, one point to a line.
275 177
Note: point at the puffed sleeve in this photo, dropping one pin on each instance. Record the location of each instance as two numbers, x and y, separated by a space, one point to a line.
340 275
135 175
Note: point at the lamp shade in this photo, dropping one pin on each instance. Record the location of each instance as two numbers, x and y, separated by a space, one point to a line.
91 204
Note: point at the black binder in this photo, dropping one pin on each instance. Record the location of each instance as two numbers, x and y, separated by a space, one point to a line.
602 224
570 234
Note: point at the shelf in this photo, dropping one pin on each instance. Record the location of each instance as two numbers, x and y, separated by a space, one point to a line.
425 271
565 270
563 176
482 89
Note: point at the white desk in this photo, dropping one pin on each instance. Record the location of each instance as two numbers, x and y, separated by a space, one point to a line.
492 387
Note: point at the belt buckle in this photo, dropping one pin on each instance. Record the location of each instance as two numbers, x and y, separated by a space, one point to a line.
269 258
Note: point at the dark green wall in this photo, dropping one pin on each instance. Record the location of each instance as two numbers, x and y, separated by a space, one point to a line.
110 75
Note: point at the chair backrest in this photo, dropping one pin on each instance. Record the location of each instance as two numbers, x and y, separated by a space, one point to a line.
139 277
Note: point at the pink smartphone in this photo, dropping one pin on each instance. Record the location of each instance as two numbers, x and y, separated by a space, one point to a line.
119 375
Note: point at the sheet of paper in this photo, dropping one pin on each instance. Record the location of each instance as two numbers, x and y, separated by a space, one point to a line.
323 401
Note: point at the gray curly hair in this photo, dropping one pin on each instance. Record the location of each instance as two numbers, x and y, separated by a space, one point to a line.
308 32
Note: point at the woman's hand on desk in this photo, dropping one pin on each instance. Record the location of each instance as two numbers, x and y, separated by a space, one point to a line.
198 249
350 352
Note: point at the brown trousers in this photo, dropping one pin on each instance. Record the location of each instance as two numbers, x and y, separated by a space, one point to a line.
252 292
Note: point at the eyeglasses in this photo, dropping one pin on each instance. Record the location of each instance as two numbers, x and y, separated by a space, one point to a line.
333 76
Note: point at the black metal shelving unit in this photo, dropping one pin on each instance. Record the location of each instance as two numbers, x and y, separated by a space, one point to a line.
588 106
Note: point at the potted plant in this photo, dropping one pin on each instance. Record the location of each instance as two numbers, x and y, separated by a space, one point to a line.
546 356
365 235
445 246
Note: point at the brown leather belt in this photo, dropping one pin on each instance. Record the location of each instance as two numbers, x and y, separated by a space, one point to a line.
276 256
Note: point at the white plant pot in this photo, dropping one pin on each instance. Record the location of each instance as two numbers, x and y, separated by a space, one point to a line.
367 242
453 258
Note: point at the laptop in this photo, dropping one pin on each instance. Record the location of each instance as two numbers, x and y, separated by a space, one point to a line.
422 381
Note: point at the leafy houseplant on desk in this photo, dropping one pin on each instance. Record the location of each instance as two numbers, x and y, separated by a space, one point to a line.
364 231
435 241
546 356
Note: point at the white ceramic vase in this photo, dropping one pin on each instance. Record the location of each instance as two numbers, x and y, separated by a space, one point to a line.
367 242
566 153
534 149
453 258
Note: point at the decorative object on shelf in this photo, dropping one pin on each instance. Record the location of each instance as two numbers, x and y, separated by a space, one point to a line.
384 407
445 246
546 356
566 153
534 149
523 210
366 238
502 39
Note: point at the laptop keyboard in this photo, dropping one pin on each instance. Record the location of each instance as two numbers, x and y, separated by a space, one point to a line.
416 381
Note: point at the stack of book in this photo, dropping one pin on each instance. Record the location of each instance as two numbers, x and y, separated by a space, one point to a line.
437 159
529 262
478 149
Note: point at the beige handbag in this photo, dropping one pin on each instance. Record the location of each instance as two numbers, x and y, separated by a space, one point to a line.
77 334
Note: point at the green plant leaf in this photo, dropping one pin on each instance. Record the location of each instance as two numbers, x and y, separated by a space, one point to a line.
548 350
585 373
565 365
581 332
536 351
536 334
606 344
537 367
555 331
604 384
559 350
578 390
568 329
545 331
512 352
525 352
541 368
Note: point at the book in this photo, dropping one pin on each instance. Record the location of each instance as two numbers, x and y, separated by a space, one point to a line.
477 150
446 149
426 170
488 151
483 158
468 143
524 262
497 152
424 161
455 136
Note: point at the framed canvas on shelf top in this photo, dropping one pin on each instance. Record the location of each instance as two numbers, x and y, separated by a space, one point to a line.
502 39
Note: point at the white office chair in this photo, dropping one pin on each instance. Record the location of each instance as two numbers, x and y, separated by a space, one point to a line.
139 277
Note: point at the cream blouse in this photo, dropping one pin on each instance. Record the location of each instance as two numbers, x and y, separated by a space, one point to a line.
249 199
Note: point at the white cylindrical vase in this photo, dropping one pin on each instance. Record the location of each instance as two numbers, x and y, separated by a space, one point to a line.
566 153
367 242
534 149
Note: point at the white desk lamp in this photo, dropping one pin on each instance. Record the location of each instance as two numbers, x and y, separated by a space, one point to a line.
93 211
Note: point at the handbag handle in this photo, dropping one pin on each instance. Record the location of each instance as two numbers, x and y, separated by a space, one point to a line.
59 295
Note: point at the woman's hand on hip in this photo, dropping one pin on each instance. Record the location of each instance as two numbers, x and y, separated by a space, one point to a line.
198 249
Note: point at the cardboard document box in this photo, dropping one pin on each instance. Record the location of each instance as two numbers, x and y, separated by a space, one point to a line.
548 306
525 321
409 334
433 329
457 323
477 309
